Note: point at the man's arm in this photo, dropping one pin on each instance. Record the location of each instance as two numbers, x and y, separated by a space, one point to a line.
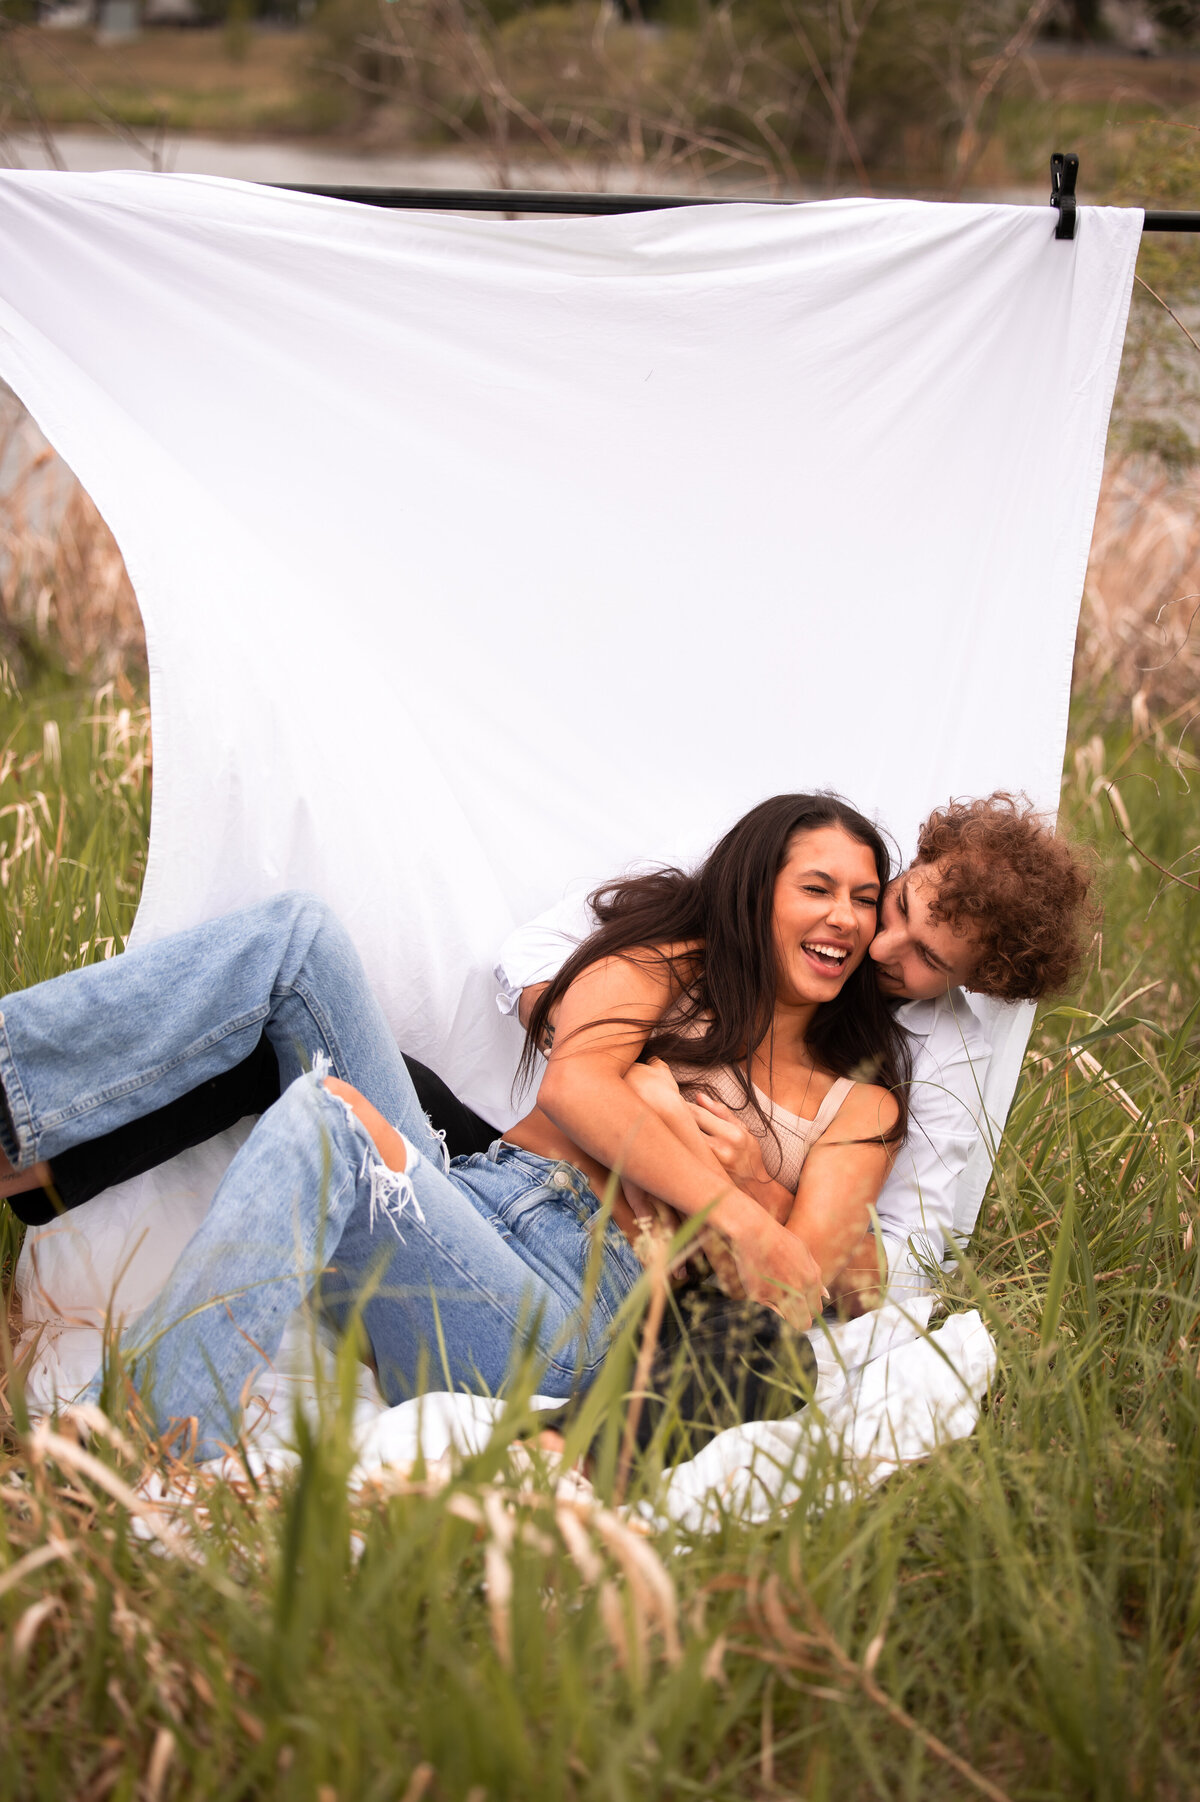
526 1002
536 952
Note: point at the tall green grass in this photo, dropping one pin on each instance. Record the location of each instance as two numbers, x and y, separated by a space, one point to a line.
1017 1616
74 823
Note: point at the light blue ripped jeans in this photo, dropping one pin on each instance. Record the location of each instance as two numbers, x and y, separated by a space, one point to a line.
456 1270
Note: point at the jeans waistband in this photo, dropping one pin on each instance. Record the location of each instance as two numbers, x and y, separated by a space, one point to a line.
553 1172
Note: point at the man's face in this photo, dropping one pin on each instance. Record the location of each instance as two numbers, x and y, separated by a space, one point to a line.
918 958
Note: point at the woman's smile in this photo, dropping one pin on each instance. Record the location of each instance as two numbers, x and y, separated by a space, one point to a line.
825 912
826 957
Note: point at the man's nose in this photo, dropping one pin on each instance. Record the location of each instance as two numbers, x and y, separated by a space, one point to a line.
885 944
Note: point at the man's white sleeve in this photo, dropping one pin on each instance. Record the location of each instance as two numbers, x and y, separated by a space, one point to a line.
536 952
946 1116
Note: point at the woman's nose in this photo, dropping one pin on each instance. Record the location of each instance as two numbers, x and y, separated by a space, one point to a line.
841 912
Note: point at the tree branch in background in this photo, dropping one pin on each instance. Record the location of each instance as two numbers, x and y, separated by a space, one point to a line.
841 123
15 86
970 142
1167 309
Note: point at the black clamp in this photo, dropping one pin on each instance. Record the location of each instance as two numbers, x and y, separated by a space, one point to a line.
1064 168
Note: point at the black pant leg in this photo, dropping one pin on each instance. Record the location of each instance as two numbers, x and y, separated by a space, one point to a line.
249 1088
85 1170
718 1363
465 1131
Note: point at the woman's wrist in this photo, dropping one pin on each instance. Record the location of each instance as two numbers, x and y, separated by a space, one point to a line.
771 1196
740 1216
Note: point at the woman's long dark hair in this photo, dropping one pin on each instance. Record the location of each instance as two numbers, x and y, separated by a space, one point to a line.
726 1007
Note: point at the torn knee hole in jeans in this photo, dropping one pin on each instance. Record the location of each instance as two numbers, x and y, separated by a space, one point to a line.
391 1190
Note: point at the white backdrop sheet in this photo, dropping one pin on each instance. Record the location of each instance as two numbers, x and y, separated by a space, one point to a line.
479 558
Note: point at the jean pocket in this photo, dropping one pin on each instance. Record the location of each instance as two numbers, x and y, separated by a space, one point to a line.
538 1206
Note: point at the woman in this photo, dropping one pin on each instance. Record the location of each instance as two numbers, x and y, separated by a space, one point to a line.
764 1010
756 962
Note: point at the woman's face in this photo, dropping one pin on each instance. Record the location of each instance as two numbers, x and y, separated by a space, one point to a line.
826 913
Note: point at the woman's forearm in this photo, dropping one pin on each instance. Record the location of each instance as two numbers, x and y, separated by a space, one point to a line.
602 1114
606 1119
832 1211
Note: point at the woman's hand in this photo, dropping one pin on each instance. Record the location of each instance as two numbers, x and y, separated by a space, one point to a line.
737 1149
774 1267
740 1154
654 1218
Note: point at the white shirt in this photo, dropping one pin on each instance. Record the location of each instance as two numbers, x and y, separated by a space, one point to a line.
946 1117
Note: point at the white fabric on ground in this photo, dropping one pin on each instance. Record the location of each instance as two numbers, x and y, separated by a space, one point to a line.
478 558
889 1392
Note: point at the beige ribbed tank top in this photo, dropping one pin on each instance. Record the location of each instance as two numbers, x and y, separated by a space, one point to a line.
785 1138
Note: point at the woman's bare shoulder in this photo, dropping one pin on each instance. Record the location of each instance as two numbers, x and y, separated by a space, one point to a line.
664 970
676 965
868 1109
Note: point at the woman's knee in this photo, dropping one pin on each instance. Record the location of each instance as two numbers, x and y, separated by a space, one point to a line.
303 914
390 1144
315 950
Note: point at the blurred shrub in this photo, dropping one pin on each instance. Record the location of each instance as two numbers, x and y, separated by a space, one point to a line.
783 89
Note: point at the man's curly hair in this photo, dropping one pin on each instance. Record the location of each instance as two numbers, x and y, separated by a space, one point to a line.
1006 878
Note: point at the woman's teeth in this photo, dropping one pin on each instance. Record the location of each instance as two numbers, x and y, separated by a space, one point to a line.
828 954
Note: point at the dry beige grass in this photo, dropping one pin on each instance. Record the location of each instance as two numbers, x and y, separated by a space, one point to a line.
64 590
97 625
1139 630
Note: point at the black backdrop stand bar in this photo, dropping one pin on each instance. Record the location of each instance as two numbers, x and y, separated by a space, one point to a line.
561 202
521 200
1171 222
